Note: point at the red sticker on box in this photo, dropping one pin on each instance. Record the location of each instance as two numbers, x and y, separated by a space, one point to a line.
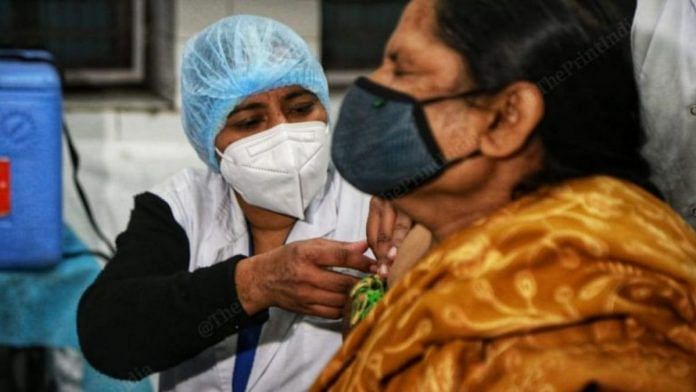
4 187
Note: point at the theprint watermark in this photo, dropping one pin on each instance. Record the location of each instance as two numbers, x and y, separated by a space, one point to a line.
407 185
586 57
207 327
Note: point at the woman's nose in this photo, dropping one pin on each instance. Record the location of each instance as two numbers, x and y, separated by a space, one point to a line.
276 117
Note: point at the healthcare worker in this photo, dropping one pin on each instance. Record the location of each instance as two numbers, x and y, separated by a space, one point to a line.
225 279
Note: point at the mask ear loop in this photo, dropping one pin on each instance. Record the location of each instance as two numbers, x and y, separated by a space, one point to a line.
464 95
221 154
456 161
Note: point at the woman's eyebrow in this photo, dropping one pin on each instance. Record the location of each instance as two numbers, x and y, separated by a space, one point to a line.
296 94
249 106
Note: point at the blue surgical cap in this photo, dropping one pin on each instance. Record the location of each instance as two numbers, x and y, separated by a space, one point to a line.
235 58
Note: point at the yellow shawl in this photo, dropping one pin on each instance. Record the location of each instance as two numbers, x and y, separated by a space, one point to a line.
592 282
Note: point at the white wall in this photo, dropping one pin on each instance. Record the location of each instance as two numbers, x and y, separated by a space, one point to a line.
128 144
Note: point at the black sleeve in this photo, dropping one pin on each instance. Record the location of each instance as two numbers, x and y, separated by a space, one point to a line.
145 312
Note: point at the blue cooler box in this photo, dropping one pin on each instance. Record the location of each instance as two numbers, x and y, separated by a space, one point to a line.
30 161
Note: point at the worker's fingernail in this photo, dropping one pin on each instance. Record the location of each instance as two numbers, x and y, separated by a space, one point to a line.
383 270
357 245
392 252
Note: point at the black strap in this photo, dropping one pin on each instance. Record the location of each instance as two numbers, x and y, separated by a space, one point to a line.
75 161
101 255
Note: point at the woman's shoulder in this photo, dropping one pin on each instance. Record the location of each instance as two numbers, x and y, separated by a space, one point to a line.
602 217
192 191
189 180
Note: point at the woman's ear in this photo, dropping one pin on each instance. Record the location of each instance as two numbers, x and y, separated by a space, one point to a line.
517 109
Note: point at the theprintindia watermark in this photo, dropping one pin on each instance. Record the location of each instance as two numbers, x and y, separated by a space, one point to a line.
586 57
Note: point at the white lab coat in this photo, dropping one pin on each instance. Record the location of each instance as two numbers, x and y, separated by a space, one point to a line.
292 348
664 55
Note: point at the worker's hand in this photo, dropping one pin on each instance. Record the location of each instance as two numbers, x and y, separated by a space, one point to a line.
296 277
386 230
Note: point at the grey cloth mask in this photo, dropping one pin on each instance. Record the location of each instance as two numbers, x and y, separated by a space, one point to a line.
382 143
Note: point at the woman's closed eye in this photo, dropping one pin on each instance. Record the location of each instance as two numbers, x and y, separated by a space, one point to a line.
302 108
399 67
398 72
246 123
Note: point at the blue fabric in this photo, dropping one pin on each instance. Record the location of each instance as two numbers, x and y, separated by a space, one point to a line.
247 341
235 58
39 308
93 381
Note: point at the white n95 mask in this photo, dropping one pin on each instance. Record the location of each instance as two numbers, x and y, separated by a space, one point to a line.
281 169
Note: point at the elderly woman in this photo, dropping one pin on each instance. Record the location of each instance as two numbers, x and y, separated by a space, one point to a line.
220 276
509 129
